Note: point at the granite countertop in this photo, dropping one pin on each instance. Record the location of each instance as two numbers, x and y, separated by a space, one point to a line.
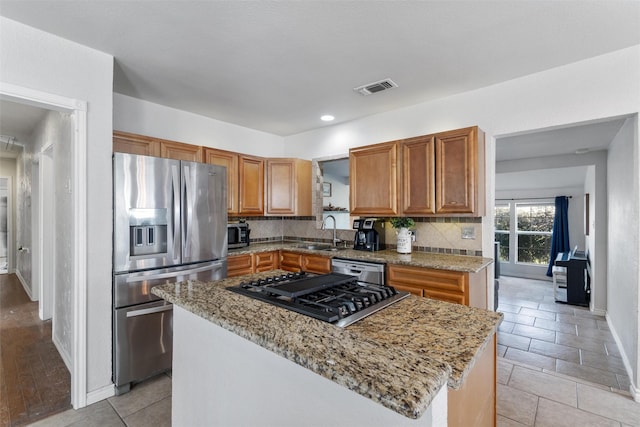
399 357
463 263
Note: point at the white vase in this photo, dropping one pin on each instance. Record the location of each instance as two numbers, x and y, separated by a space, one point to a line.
404 241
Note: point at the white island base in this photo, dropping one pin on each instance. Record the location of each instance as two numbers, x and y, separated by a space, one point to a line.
221 379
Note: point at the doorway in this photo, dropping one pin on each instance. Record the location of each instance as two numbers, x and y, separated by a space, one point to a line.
5 226
71 342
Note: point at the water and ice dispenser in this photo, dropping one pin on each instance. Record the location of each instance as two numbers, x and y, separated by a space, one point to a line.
147 231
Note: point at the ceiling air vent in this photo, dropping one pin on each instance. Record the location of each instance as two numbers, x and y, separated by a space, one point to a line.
379 86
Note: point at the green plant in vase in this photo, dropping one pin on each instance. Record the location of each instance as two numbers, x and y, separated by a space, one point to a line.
402 224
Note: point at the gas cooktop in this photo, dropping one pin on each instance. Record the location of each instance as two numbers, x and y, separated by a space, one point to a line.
336 298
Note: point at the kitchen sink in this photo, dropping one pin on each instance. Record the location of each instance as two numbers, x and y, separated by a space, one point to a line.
334 249
314 247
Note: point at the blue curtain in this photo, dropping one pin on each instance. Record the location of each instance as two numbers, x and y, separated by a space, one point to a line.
560 235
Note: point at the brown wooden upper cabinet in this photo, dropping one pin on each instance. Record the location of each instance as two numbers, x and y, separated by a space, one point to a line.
229 160
441 174
373 178
180 151
460 171
124 142
251 185
418 176
288 187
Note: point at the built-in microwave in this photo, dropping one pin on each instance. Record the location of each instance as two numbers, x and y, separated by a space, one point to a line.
238 234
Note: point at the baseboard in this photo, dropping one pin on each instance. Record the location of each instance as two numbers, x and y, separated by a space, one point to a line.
26 288
100 394
66 358
633 389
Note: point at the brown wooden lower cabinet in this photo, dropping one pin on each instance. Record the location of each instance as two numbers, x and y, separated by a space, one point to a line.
290 261
238 265
265 261
444 285
474 403
293 261
316 264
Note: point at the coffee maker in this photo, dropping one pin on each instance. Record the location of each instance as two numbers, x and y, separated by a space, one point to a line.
369 235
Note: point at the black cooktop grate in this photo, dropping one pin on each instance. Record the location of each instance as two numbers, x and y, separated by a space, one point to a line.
335 298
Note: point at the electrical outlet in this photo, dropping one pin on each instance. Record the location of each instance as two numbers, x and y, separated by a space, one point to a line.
413 235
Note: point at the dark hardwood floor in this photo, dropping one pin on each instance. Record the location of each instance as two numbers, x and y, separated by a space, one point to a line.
34 381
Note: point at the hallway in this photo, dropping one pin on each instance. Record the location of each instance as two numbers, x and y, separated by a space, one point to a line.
34 381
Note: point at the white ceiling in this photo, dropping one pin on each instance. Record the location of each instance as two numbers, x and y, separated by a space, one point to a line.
549 143
278 66
552 142
547 179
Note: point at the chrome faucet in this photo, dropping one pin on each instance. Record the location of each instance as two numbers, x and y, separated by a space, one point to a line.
324 227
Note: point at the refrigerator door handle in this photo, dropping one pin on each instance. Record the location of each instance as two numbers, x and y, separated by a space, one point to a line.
188 206
175 196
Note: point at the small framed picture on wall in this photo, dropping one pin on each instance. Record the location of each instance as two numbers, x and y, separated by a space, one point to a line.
326 189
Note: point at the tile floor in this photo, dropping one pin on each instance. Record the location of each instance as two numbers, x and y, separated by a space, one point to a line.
559 364
148 404
528 394
557 337
34 381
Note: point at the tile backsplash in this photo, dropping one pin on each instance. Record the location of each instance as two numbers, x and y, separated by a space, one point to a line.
441 235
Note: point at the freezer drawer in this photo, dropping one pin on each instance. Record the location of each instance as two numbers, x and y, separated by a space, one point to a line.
135 288
143 342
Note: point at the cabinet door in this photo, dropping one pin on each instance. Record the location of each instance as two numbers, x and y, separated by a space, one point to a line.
373 177
135 144
230 161
265 261
180 151
411 289
457 171
316 264
445 296
418 176
288 187
237 265
451 286
290 261
251 184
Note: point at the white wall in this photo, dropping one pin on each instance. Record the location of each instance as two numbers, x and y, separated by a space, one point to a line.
146 118
624 251
34 59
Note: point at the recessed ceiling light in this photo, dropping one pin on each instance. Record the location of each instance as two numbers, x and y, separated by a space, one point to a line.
327 118
582 150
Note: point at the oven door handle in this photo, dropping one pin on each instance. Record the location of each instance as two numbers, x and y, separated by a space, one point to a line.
151 310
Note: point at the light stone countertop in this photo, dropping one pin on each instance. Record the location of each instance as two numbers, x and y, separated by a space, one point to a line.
463 263
398 357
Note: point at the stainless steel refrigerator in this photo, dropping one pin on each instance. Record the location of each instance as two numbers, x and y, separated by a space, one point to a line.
170 225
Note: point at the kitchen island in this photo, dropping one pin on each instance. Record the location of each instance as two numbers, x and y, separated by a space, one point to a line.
238 361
